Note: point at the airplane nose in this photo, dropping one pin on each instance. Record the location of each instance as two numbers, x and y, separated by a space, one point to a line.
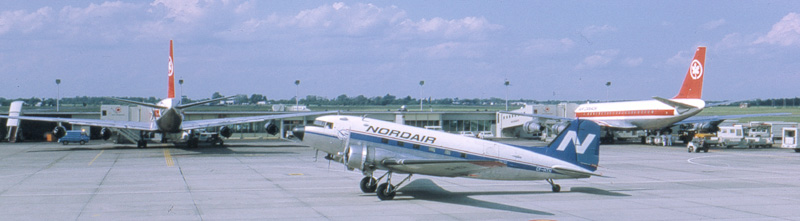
299 131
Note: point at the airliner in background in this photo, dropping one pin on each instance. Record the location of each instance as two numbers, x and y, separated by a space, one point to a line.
168 119
653 115
369 145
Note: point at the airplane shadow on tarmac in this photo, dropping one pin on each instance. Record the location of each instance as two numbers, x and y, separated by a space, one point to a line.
425 189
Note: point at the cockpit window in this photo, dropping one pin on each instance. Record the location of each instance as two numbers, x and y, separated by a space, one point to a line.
327 125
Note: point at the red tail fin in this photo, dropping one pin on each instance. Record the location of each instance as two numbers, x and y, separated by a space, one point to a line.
693 83
171 74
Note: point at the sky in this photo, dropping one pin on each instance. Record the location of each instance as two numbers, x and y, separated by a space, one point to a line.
547 50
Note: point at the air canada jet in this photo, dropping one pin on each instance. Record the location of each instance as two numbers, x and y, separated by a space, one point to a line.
370 145
654 114
167 119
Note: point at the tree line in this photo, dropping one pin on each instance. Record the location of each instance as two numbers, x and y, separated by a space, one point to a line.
342 100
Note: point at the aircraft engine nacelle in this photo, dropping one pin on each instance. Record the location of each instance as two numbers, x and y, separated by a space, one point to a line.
707 127
557 128
59 132
359 157
271 128
105 133
532 127
225 131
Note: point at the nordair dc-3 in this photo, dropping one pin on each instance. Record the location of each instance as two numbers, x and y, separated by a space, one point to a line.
370 145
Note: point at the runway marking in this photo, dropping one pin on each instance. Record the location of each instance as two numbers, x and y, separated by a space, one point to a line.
168 158
95 157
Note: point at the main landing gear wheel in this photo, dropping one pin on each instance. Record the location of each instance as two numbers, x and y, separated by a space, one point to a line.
368 185
386 191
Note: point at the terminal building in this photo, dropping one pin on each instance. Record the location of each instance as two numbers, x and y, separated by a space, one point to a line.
502 125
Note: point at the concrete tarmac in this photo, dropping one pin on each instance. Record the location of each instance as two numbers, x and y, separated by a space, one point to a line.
279 180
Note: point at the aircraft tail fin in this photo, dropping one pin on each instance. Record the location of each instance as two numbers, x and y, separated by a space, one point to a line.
171 74
579 144
693 83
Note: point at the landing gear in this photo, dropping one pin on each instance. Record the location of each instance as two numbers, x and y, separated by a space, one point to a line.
556 187
369 184
387 191
141 143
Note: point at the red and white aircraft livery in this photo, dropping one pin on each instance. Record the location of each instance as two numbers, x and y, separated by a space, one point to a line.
168 119
655 114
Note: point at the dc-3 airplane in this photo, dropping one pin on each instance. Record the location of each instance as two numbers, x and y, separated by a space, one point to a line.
370 145
652 115
168 119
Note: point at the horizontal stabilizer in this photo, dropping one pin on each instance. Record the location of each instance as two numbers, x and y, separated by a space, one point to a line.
674 104
138 103
203 102
572 172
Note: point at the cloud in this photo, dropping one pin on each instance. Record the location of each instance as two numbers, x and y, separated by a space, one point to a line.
23 21
468 27
632 62
446 50
184 11
548 46
595 30
713 24
785 33
599 59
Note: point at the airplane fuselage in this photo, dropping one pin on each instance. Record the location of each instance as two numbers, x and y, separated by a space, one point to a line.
169 120
646 115
395 141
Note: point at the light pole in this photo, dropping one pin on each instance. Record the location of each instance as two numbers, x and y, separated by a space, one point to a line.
608 85
180 82
58 94
421 83
507 83
297 93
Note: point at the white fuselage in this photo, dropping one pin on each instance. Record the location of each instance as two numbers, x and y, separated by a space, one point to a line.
646 115
397 141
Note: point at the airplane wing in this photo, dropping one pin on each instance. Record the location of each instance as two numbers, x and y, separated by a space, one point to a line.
702 119
437 167
146 126
197 124
540 116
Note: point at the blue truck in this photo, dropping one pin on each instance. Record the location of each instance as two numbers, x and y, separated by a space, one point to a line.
74 136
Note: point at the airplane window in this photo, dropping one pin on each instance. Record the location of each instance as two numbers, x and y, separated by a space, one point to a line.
384 140
319 123
463 155
329 125
432 149
416 146
446 152
401 143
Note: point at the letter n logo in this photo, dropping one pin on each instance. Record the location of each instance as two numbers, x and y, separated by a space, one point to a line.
572 137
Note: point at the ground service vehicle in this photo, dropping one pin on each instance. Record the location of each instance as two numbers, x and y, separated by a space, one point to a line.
76 136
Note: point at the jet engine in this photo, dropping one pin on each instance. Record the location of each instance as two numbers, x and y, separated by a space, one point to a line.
709 127
225 131
359 156
532 127
271 128
59 131
105 133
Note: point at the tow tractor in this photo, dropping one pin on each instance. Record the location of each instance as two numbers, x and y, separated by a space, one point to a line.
702 141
